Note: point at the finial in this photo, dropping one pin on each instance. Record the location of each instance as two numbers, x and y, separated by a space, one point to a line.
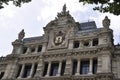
64 8
63 12
106 22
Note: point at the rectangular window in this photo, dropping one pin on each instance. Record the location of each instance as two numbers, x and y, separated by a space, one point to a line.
84 67
45 68
33 49
24 50
95 42
19 70
1 75
27 70
63 68
94 66
76 44
54 69
74 69
39 48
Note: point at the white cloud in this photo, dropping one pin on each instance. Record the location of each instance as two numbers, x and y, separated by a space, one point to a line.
8 13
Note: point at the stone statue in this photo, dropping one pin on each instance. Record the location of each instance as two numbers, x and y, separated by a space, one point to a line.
21 35
106 22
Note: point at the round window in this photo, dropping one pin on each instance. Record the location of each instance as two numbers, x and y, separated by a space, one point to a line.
86 43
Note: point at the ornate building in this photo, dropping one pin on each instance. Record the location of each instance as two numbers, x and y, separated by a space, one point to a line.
68 50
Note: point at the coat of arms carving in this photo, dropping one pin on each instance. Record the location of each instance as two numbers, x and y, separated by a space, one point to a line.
59 38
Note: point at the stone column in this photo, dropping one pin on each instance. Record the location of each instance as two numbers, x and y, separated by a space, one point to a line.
22 71
78 67
68 68
91 66
49 68
32 70
59 69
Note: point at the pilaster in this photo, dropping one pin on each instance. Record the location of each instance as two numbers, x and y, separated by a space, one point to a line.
68 68
70 46
44 47
39 70
11 69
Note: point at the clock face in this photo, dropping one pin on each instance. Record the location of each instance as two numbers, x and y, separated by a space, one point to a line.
59 38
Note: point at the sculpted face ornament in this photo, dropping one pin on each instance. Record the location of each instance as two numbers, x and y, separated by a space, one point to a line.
59 38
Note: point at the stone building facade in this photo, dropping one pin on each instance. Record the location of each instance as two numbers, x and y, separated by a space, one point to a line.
68 50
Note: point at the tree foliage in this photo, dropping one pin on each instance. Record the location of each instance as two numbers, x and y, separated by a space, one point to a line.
15 2
111 6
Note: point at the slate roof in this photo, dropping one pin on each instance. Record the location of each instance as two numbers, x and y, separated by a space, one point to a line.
87 25
31 39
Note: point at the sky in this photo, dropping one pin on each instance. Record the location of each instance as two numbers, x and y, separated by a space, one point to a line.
33 16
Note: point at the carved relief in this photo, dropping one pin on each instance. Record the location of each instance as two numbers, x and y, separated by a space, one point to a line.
59 38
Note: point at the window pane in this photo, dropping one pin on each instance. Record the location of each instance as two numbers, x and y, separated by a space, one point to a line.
63 68
45 68
84 67
54 69
27 71
94 66
74 67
